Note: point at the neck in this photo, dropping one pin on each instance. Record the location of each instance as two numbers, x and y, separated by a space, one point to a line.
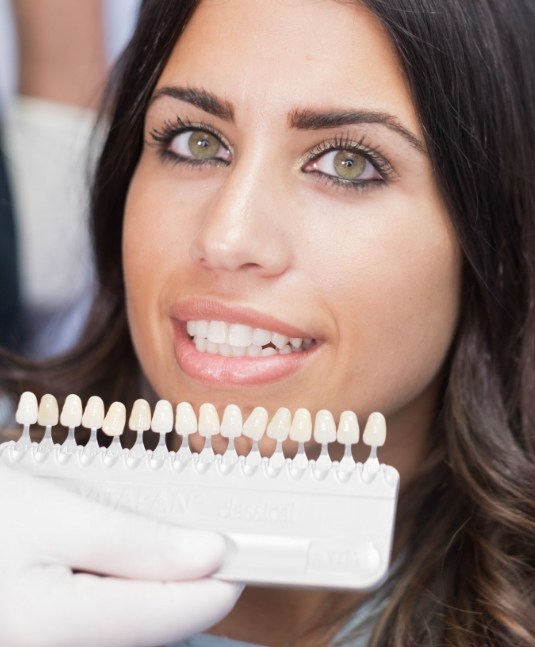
277 617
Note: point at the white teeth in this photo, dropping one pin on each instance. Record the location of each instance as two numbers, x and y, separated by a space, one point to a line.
232 423
71 414
48 413
186 420
208 420
279 427
162 418
239 340
93 413
279 340
212 347
261 337
324 427
140 417
115 419
348 429
217 332
301 427
27 410
240 335
375 431
255 425
200 344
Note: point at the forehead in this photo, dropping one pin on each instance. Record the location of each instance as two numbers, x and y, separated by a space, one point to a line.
284 53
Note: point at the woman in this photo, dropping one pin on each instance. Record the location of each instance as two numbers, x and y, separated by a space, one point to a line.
357 177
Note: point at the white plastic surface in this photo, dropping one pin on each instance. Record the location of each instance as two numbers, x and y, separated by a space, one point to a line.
311 528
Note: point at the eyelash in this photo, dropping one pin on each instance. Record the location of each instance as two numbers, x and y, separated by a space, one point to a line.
162 139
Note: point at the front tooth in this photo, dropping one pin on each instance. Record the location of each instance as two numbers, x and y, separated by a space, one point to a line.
201 327
48 413
217 332
140 416
191 327
279 340
238 351
71 414
267 352
255 425
301 428
348 429
186 420
279 427
115 419
162 418
225 350
27 410
239 335
208 420
200 344
211 347
261 337
253 350
231 424
93 413
324 427
375 431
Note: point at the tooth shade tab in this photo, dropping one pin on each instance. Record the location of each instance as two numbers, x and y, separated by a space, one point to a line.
348 429
375 431
186 420
208 420
71 414
115 419
301 427
231 423
324 427
279 427
93 413
162 418
26 413
48 412
140 416
255 425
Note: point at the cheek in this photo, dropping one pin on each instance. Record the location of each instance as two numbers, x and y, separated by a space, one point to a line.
394 294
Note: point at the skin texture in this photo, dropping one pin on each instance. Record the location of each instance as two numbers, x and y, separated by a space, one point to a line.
373 273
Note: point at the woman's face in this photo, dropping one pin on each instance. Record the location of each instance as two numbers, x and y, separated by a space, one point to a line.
284 186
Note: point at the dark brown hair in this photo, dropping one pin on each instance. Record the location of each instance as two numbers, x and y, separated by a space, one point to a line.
467 575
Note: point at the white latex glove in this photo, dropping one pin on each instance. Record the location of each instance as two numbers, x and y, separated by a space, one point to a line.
55 547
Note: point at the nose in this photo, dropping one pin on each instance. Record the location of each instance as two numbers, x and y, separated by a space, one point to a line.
242 227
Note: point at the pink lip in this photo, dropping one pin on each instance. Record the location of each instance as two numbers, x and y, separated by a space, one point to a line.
239 371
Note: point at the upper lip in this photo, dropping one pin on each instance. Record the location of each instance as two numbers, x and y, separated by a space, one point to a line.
212 310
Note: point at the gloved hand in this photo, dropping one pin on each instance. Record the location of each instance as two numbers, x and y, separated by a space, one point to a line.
55 548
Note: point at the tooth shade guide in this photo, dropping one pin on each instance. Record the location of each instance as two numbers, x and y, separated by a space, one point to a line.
356 509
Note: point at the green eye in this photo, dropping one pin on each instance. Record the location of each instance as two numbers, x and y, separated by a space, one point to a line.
349 165
203 145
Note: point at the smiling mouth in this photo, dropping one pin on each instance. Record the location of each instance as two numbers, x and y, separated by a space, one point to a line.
240 340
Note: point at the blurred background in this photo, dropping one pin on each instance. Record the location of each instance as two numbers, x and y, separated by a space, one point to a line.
54 59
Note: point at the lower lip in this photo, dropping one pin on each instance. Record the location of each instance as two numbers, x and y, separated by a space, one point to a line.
242 371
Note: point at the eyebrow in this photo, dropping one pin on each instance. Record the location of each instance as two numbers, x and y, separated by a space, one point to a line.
300 119
312 120
206 101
